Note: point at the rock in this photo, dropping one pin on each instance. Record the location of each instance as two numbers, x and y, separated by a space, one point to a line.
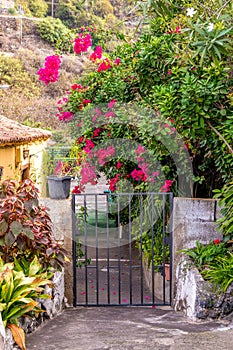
200 299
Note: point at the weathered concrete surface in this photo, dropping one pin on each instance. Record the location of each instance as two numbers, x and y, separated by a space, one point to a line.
199 299
193 219
129 329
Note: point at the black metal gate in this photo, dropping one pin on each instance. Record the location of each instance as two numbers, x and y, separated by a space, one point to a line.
122 246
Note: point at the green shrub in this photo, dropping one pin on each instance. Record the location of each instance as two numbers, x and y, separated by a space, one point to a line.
56 33
19 289
13 74
225 223
203 255
11 11
25 226
38 8
220 272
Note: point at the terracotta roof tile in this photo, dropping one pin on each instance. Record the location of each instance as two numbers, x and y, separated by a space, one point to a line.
12 132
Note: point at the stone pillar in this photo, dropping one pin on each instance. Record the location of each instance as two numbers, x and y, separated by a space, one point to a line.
193 219
61 215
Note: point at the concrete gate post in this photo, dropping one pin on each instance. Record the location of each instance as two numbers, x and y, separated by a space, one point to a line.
61 215
193 219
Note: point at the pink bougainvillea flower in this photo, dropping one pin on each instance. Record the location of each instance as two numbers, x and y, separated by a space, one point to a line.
90 144
111 103
88 173
117 61
169 72
109 114
65 116
102 288
124 300
155 173
138 175
114 293
82 43
86 150
50 72
98 112
113 182
78 189
92 286
96 54
76 87
147 297
167 186
140 150
86 102
104 65
153 307
178 30
80 139
119 165
104 154
96 132
217 241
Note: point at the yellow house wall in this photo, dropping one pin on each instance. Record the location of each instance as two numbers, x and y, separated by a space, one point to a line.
7 161
13 162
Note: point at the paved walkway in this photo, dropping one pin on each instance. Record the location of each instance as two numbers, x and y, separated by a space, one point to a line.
129 328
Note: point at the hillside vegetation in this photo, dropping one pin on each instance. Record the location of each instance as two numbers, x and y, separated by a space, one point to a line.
28 100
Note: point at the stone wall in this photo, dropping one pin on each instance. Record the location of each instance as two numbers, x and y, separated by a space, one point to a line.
193 219
60 213
199 299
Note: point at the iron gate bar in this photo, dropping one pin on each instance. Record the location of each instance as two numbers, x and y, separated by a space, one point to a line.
171 244
153 252
97 251
141 270
164 249
119 250
107 224
85 239
130 254
74 248
119 229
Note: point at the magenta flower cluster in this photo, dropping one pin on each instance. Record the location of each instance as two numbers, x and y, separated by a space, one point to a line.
82 43
50 72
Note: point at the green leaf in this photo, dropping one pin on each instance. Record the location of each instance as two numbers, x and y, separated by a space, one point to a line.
28 232
35 266
16 228
9 239
3 227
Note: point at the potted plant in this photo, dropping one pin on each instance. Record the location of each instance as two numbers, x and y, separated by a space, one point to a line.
59 183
